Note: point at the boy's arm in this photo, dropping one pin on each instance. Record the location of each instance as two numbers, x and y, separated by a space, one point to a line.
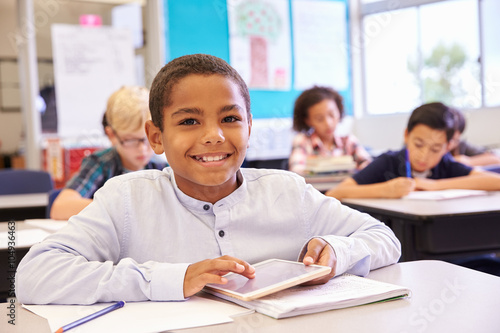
394 188
68 203
476 180
479 160
86 261
360 243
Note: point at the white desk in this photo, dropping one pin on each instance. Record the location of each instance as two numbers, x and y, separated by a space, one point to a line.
445 229
23 206
446 298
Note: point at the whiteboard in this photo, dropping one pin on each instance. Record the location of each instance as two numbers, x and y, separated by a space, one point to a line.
90 63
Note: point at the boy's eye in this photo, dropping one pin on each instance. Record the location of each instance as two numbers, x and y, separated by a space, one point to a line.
188 122
435 150
230 119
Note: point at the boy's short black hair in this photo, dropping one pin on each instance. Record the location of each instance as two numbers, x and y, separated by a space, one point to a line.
179 68
309 98
435 115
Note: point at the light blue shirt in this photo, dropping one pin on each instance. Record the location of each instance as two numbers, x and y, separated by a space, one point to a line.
136 239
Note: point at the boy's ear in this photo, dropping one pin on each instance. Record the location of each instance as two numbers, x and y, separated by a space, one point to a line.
249 130
154 136
406 136
111 135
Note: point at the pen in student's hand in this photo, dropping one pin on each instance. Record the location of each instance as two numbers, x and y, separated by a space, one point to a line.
74 324
408 165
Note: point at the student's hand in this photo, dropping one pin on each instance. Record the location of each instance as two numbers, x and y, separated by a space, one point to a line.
399 187
426 184
319 252
212 270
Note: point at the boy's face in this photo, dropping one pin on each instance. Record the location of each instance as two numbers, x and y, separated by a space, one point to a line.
426 147
205 135
134 154
323 117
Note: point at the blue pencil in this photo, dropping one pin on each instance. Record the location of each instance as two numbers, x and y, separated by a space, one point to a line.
74 324
408 165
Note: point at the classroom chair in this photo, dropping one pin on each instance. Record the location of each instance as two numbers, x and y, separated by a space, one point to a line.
20 181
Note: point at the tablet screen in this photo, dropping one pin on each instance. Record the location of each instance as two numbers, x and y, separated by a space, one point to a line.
270 276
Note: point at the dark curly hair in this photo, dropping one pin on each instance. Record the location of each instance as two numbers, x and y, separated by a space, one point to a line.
309 98
177 69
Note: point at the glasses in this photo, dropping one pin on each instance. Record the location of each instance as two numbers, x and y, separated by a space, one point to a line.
130 143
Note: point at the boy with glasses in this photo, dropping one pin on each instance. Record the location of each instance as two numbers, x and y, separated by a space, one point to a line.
126 114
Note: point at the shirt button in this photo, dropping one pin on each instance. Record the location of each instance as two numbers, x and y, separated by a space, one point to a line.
221 233
206 207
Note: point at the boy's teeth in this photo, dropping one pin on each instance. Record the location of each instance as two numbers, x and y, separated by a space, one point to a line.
211 158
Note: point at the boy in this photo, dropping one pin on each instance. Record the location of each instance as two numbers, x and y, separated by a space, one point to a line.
427 138
466 153
126 113
163 235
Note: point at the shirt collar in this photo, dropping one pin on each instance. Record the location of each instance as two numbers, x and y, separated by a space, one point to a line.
199 206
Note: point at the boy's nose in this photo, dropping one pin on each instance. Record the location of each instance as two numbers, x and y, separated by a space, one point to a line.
213 135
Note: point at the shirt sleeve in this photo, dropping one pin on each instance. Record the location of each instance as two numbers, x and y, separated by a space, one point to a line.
89 178
452 168
298 156
357 151
378 171
468 149
86 261
361 243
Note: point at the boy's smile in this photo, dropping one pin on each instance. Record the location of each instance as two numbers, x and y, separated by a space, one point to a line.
205 135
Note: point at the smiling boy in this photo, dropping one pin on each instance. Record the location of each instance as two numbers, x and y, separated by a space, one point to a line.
163 235
427 137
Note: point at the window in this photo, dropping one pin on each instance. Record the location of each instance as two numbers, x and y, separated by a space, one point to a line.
421 51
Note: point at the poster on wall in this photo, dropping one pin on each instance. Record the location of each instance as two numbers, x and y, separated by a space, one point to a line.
259 42
320 44
90 63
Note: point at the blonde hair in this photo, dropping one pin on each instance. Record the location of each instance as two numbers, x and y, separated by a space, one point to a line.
128 108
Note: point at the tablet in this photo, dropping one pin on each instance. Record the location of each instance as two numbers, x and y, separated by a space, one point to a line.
270 276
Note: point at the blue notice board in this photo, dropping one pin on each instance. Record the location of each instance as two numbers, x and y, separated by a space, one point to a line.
201 26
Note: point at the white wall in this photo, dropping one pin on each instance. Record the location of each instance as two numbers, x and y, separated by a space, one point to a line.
45 13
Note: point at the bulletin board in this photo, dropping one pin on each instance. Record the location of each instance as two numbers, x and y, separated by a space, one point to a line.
200 26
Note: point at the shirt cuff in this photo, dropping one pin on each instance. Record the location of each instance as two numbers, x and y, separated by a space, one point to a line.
167 282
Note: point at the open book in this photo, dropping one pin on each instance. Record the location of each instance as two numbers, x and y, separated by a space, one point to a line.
443 194
340 292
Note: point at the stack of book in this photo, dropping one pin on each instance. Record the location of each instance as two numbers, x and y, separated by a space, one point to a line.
330 165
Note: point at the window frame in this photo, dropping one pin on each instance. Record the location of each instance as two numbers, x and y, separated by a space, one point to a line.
358 12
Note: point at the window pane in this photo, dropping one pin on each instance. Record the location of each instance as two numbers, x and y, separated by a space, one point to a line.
390 42
491 51
450 49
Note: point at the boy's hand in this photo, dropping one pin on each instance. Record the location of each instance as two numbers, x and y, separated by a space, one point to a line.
399 187
319 252
212 270
426 184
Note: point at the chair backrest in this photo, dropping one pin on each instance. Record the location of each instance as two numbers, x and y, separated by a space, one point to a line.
20 181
